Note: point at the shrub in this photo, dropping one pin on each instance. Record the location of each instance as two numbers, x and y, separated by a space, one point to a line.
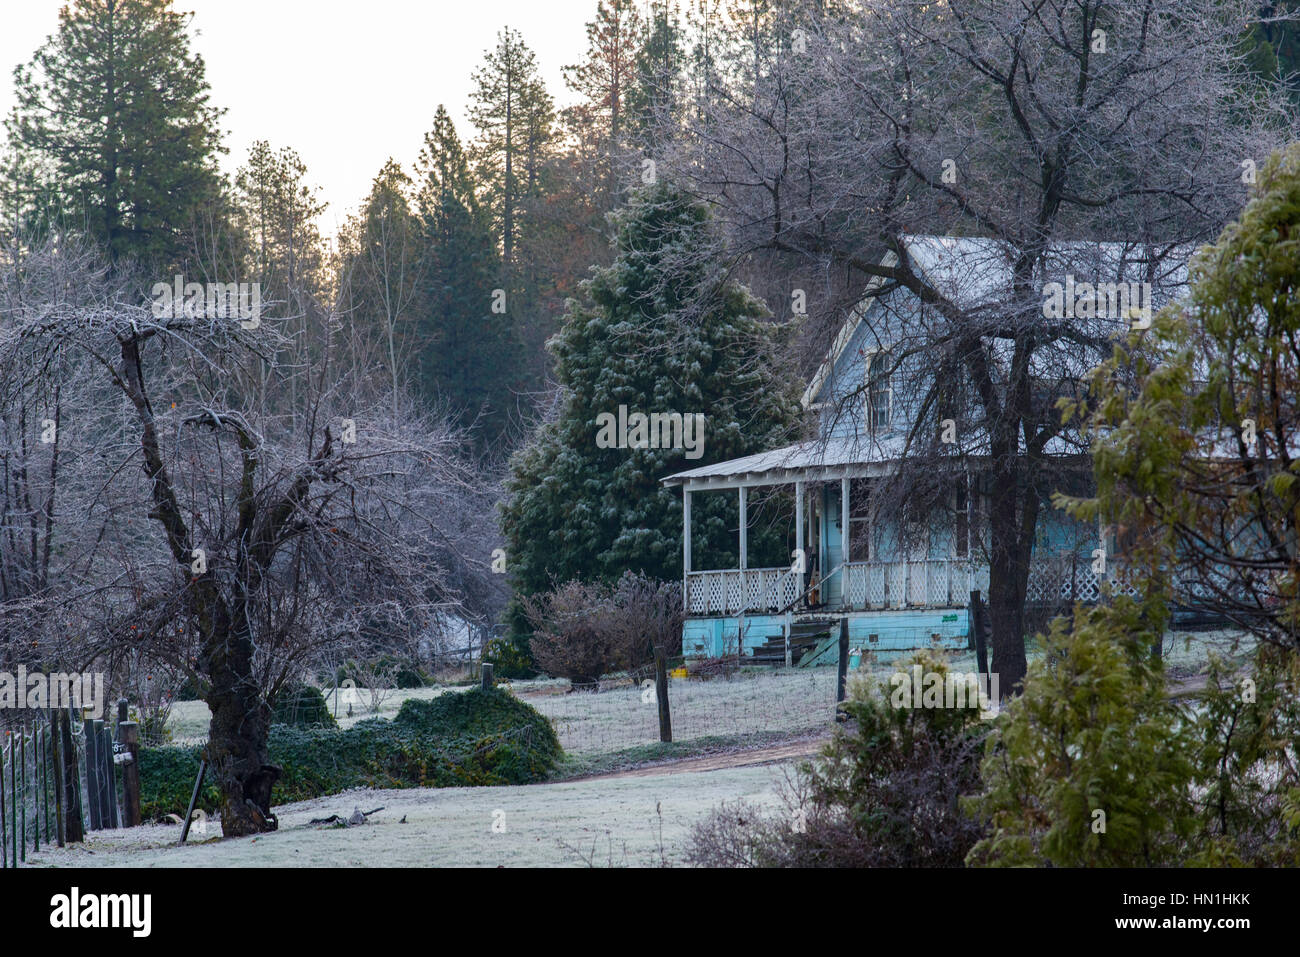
1096 765
466 738
302 706
167 780
1090 766
582 631
884 793
511 657
1247 784
572 637
509 739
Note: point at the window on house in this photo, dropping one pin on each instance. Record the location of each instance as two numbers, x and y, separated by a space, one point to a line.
880 394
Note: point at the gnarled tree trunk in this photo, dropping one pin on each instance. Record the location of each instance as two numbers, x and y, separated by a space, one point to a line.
241 722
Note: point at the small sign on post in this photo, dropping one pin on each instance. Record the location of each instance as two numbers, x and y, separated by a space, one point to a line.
130 732
108 753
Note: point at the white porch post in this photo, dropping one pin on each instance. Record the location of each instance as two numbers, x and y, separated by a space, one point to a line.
906 555
798 529
686 548
844 541
744 529
744 561
801 554
844 517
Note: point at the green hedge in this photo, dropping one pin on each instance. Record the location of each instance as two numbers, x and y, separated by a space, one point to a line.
468 738
302 705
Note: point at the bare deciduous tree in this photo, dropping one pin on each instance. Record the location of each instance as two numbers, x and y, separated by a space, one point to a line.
206 535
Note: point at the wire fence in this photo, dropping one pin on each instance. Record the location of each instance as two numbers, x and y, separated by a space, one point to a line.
624 713
58 780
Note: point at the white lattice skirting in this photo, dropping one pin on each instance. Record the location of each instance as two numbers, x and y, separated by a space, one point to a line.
941 583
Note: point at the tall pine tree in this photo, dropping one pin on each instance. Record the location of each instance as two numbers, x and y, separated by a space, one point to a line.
469 354
655 97
383 259
604 80
114 106
661 329
514 116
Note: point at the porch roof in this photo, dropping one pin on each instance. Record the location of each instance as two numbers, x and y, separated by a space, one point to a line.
827 459
814 460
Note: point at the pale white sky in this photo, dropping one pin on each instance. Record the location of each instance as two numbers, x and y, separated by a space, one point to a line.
345 83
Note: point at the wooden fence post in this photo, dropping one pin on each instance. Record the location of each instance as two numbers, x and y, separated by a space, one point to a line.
486 683
46 748
92 773
109 756
13 803
22 759
4 825
130 734
38 775
842 668
56 775
661 695
74 824
981 649
96 726
194 799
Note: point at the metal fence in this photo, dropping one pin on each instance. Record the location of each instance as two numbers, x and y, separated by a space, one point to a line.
59 779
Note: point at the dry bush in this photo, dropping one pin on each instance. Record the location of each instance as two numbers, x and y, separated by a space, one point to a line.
572 638
646 615
585 630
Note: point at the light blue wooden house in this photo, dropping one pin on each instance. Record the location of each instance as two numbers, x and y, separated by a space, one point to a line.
901 591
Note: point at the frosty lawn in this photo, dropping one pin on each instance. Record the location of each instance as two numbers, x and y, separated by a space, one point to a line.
453 827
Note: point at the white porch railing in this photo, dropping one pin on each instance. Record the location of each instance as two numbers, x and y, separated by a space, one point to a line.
732 591
939 583
932 583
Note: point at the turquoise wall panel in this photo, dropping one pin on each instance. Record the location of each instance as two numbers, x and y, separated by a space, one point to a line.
899 630
712 637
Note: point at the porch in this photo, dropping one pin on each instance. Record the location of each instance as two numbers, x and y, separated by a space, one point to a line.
852 554
878 586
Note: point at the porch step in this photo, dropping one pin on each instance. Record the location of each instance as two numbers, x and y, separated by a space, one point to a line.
804 637
814 626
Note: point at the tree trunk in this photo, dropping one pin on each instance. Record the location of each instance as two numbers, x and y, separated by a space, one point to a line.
241 723
241 718
1008 579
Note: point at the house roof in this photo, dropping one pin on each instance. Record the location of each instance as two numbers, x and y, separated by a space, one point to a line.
812 460
837 457
845 335
973 272
976 271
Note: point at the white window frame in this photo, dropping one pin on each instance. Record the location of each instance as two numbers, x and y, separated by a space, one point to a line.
872 427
